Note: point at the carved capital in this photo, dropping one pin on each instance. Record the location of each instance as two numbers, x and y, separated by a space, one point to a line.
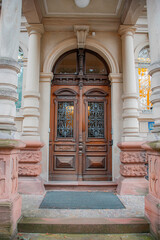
81 32
126 30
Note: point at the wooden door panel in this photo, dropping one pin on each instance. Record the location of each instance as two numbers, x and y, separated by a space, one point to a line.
64 162
64 148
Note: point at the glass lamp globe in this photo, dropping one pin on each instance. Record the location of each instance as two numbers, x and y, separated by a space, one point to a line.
82 3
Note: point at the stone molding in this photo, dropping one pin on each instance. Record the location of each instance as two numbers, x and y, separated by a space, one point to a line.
35 29
153 68
31 94
81 32
130 95
9 63
46 77
116 77
126 30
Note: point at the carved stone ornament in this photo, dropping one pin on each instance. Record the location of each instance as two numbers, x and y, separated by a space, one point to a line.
81 32
154 173
133 170
133 157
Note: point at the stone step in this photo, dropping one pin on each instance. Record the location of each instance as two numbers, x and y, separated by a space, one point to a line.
47 236
83 225
82 185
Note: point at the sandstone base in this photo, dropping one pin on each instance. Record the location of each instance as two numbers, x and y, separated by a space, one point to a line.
152 211
10 212
132 186
31 185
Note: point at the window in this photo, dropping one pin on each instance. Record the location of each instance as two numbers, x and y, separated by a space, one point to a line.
144 79
20 80
67 64
94 64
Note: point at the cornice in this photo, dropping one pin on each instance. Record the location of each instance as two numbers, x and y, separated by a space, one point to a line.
95 24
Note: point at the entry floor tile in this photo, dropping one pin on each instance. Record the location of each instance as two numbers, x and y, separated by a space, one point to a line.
134 207
36 236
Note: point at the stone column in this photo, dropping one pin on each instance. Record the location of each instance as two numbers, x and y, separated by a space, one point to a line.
130 97
10 200
9 67
32 95
116 102
133 162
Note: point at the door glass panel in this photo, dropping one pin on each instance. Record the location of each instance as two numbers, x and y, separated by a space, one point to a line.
96 119
65 119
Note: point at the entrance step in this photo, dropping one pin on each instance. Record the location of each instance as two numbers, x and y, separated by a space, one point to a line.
42 236
83 225
82 185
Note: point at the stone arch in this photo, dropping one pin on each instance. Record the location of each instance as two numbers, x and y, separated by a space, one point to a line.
70 44
139 48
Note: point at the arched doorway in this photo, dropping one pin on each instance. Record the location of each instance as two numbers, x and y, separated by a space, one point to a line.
80 118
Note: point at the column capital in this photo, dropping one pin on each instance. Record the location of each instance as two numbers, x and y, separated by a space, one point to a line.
35 29
116 77
126 30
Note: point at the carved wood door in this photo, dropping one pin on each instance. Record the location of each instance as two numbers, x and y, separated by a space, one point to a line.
80 121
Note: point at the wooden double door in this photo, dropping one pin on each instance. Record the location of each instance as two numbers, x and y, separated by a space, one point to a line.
80 123
80 137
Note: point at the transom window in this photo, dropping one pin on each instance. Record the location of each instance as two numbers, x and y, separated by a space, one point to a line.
86 61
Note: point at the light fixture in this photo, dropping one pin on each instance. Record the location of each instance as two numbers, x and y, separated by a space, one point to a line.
82 3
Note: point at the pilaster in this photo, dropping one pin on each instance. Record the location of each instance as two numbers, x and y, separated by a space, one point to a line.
45 89
116 101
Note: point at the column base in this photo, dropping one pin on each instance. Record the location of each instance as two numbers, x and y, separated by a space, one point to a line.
10 212
31 185
132 186
152 211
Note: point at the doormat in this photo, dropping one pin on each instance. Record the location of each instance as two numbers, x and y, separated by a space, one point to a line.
81 200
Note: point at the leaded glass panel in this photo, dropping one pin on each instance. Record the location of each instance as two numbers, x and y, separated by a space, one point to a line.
65 119
96 119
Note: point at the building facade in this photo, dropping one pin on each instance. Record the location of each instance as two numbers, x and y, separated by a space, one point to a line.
84 106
